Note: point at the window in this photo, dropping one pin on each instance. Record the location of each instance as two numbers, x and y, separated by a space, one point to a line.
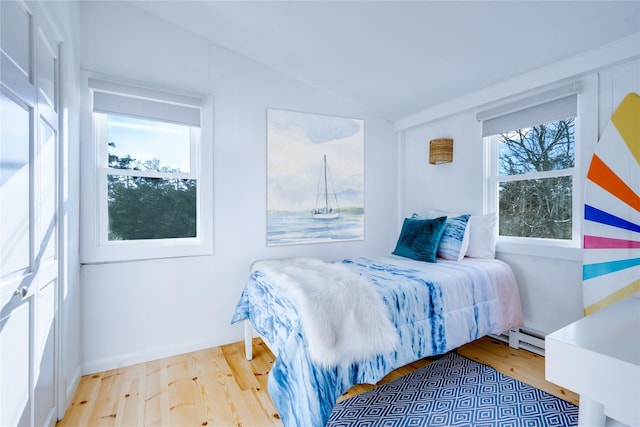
531 167
150 164
151 186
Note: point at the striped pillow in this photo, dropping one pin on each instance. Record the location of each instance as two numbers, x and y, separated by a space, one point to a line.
455 240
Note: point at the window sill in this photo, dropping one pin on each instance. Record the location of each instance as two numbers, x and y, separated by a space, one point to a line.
142 259
132 251
538 248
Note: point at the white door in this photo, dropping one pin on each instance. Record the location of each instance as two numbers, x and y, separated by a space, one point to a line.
29 100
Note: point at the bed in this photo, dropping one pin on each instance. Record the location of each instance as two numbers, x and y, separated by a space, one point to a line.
433 307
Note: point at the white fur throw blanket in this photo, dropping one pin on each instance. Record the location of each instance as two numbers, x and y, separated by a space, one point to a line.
343 317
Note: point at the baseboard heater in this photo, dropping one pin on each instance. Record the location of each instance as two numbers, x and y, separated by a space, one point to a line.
525 338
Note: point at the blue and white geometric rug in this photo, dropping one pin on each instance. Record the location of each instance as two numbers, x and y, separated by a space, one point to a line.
454 391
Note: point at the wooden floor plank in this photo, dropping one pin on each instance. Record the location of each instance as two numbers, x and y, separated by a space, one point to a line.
225 389
519 364
104 415
204 384
83 402
268 408
156 396
131 406
219 387
241 371
182 391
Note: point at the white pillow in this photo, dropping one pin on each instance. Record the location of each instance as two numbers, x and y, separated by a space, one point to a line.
481 231
482 241
434 213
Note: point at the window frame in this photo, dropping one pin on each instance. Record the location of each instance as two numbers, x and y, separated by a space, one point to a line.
558 248
95 244
496 180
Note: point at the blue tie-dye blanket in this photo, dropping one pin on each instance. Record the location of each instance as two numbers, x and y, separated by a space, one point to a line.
435 307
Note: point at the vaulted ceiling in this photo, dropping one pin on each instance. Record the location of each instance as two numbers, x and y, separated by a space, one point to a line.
400 57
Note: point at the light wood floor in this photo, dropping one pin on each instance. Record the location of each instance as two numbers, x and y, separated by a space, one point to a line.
218 387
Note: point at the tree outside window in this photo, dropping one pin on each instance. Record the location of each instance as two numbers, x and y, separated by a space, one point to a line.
150 192
535 180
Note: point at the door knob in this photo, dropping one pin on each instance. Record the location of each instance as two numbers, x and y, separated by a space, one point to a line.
22 292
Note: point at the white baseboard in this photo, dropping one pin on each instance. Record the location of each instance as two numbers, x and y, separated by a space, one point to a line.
120 361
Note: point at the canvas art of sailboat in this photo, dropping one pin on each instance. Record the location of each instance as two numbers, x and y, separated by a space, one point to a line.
326 206
315 178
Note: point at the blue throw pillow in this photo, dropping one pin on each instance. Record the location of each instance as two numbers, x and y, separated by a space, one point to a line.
419 238
452 243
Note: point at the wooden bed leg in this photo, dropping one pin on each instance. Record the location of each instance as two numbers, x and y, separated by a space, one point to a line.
248 339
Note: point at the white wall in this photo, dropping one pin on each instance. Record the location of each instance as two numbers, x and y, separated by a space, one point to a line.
550 281
138 311
445 186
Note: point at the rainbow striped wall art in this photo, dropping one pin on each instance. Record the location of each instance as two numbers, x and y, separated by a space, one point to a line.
611 259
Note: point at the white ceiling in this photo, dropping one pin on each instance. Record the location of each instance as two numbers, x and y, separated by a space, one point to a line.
401 57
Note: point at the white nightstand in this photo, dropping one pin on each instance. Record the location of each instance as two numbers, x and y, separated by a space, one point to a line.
598 357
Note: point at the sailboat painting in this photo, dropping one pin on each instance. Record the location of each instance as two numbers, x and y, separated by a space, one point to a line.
315 178
325 211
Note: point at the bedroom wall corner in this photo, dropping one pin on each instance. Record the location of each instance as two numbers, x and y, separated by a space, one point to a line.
142 310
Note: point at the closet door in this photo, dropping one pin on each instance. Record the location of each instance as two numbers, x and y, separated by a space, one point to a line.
28 217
